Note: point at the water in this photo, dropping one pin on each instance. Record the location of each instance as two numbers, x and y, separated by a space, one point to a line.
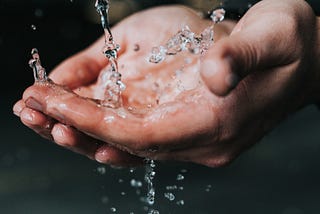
149 176
33 27
170 196
186 40
110 78
39 72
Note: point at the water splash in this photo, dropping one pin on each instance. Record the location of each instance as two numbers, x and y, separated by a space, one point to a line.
218 15
185 39
149 176
101 170
110 78
170 196
39 72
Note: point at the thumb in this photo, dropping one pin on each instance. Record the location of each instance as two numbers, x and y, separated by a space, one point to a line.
82 68
76 71
246 50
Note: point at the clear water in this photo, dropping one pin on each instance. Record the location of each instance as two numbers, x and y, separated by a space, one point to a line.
187 40
110 78
39 72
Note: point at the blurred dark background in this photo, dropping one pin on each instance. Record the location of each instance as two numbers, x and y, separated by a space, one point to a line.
278 175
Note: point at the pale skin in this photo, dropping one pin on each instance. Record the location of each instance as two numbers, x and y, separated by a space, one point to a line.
260 70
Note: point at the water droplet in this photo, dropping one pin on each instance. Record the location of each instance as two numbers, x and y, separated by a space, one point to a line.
180 177
109 119
158 54
149 176
180 202
120 180
136 47
152 211
123 193
122 86
183 171
174 187
208 188
122 114
101 170
113 209
39 72
33 27
170 196
131 170
218 15
136 183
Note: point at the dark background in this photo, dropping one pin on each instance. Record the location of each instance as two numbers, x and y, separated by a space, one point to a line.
278 175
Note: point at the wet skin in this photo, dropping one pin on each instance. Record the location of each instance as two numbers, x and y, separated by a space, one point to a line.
259 71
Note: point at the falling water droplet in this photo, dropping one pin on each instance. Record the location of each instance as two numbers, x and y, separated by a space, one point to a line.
136 47
33 27
174 187
218 15
208 188
180 177
113 209
101 170
180 202
170 196
152 211
136 183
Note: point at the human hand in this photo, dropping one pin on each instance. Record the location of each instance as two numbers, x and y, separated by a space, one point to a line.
223 126
82 71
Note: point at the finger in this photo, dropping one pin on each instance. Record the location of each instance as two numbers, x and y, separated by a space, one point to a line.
83 114
83 68
38 122
76 71
18 107
76 141
157 130
110 155
255 44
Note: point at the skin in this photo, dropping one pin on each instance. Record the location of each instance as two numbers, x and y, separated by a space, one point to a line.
260 70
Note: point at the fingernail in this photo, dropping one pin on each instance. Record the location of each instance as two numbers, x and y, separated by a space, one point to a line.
34 104
28 116
17 110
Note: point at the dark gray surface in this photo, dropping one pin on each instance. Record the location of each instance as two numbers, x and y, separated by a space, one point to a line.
278 175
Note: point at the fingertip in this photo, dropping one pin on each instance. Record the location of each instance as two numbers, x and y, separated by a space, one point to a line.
27 117
107 154
18 107
218 75
60 135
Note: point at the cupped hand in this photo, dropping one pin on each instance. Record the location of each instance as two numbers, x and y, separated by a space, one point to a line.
144 127
169 113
